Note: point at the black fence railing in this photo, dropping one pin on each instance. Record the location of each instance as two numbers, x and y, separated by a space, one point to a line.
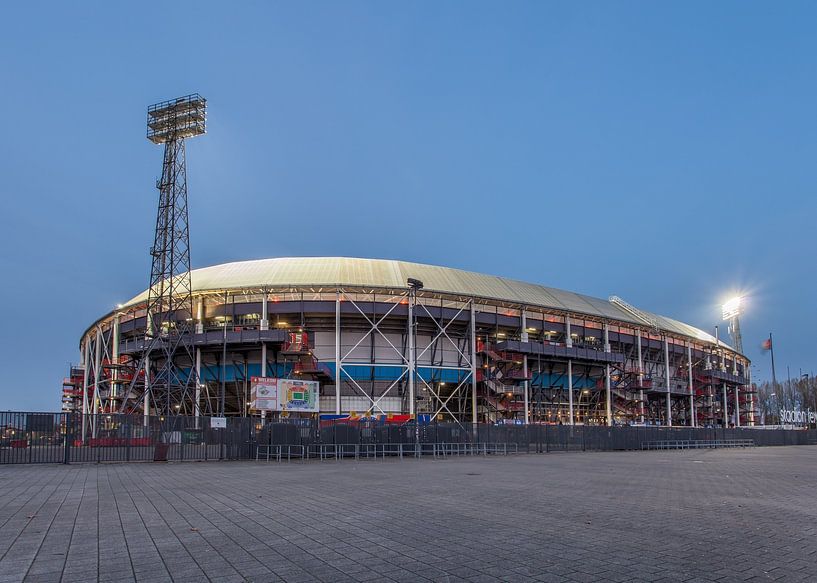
28 437
68 438
531 438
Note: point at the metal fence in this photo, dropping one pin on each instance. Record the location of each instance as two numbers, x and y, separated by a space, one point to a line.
526 438
64 438
28 437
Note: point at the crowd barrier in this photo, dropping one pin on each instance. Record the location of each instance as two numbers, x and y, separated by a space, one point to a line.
697 444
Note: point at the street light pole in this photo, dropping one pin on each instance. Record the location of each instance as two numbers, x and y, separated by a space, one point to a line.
777 399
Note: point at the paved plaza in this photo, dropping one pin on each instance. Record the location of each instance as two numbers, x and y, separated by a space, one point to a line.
713 515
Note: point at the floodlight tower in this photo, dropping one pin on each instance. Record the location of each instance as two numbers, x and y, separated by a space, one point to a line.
731 313
170 376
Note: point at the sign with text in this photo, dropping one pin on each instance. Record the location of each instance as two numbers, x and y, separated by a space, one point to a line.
294 395
218 422
264 394
797 417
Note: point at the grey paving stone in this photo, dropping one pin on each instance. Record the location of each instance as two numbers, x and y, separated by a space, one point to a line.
632 516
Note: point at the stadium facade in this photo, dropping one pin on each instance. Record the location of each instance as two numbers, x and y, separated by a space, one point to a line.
392 337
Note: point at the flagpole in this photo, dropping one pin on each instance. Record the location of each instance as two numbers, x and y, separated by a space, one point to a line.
771 348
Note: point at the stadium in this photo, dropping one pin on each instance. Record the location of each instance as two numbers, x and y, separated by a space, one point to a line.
382 337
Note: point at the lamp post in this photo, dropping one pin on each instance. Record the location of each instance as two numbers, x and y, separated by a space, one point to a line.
414 286
777 399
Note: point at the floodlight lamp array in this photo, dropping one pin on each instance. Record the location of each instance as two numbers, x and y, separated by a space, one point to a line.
183 117
732 308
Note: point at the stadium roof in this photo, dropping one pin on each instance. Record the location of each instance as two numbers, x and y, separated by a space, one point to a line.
386 273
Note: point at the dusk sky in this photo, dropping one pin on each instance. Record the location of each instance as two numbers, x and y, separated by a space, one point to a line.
664 152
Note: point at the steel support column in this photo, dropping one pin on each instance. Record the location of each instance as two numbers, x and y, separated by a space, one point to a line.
568 337
748 373
640 374
737 406
115 361
264 312
607 388
608 396
692 421
412 364
86 359
718 349
264 326
146 410
473 364
148 387
526 387
97 380
667 380
570 391
197 404
199 316
338 364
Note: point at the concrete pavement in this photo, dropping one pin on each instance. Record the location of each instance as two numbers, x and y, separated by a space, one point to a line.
713 515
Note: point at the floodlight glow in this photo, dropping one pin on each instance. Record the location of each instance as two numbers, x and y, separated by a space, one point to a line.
183 117
732 308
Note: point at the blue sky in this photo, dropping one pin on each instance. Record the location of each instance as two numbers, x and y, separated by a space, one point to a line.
663 152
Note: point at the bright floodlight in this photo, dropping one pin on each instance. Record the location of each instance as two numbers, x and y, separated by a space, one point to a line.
183 117
732 308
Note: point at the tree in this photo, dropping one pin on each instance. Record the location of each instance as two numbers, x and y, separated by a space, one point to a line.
788 395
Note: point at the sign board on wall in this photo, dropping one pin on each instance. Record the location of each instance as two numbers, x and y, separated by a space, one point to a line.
798 417
264 393
269 394
218 422
297 395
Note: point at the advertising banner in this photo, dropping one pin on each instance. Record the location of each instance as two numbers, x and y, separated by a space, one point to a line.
297 395
270 394
798 417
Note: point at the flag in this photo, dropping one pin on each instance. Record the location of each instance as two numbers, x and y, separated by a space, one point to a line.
767 344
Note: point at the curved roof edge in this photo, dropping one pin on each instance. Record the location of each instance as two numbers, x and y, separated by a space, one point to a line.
390 273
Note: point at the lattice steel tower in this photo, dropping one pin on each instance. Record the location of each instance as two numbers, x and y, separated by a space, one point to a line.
170 379
732 311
